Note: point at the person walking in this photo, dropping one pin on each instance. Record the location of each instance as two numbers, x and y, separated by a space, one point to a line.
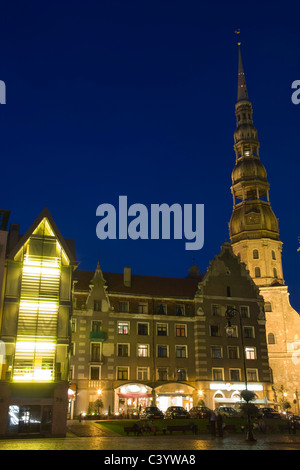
212 423
220 424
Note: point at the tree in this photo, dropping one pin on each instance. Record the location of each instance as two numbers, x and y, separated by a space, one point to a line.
98 404
248 408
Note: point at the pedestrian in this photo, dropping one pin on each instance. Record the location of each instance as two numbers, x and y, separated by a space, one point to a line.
262 425
220 424
212 423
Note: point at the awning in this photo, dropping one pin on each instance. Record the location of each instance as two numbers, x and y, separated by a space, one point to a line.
240 402
135 395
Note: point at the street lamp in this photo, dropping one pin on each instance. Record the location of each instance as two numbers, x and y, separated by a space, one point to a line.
230 314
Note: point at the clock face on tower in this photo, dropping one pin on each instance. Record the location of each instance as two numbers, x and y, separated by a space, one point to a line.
253 219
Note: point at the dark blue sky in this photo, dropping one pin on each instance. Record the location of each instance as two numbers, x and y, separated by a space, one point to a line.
136 98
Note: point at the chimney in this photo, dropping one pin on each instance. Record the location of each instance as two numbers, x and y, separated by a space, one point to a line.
13 236
127 277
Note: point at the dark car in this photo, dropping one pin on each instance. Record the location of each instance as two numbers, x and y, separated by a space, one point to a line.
226 411
199 412
151 412
269 413
176 412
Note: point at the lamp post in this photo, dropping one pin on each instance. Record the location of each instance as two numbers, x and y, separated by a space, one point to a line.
230 314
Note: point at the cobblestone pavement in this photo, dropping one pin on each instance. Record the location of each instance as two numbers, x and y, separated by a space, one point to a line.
88 436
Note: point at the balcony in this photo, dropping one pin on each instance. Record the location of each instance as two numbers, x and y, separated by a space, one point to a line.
98 336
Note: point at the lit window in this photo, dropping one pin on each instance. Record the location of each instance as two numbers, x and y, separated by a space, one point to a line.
123 328
180 330
143 350
250 353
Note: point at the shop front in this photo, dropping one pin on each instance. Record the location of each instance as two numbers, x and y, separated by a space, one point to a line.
228 394
174 394
131 398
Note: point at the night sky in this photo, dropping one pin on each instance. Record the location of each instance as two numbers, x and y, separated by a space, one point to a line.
136 98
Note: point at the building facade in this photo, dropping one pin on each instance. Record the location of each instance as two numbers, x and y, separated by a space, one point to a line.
254 234
143 340
36 302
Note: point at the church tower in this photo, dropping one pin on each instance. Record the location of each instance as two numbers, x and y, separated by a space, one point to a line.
254 234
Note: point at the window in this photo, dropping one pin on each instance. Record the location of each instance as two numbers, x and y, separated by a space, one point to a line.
162 373
73 325
143 307
217 374
95 352
123 306
143 350
255 254
71 373
180 330
96 326
162 350
233 352
268 307
181 351
162 309
143 329
228 291
248 331
234 375
122 373
162 329
271 338
214 330
123 328
123 350
142 373
95 373
216 310
244 310
273 254
180 310
216 352
252 375
257 272
97 305
181 374
275 272
250 353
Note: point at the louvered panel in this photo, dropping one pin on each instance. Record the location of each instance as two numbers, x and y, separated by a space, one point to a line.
37 322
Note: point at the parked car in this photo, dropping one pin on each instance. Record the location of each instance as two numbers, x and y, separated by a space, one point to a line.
269 413
151 412
176 412
199 412
226 411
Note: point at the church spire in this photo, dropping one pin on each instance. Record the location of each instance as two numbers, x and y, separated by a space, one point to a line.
252 218
242 94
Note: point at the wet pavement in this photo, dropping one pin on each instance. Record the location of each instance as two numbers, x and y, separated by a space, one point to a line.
90 436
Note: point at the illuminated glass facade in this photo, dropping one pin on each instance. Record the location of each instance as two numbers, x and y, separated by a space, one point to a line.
36 308
38 312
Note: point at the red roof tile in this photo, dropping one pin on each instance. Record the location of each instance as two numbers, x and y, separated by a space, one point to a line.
141 284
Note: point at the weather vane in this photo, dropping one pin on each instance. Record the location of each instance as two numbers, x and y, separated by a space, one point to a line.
238 32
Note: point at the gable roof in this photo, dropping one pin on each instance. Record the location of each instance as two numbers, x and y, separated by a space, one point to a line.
66 245
140 284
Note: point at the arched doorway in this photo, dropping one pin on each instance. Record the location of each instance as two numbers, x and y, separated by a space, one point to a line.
174 394
130 398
